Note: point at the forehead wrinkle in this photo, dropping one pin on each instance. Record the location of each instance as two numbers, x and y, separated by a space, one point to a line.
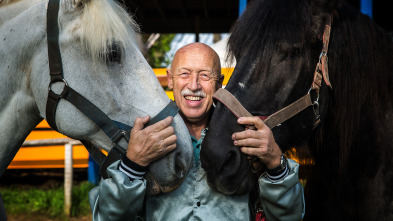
201 50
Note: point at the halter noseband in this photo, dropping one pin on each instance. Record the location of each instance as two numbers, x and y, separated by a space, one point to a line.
116 131
321 72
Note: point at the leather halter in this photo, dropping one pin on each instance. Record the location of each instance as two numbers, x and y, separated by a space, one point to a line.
321 72
116 131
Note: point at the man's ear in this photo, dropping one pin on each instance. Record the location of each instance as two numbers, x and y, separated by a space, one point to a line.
220 81
169 78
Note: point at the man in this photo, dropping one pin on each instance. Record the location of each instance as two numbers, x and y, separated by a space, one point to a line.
194 76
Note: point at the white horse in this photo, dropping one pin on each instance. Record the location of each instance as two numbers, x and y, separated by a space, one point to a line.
101 60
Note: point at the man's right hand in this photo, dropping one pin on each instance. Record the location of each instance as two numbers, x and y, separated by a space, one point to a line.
151 143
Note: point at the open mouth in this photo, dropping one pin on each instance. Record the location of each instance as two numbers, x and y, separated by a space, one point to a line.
193 98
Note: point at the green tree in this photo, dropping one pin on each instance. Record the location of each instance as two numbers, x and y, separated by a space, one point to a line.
156 46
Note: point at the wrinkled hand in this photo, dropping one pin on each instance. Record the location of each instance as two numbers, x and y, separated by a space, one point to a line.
259 143
151 143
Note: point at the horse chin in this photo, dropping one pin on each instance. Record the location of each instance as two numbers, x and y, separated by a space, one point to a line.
241 189
153 188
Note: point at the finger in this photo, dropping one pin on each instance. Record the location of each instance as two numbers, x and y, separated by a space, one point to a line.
139 123
250 151
169 142
166 141
164 151
256 121
245 134
249 142
165 146
160 125
166 132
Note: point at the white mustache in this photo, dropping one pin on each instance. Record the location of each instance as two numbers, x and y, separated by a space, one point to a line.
188 92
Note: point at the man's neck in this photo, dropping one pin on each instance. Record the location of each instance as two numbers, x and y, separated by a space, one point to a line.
195 128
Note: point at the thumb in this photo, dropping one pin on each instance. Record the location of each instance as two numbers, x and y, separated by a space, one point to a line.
140 123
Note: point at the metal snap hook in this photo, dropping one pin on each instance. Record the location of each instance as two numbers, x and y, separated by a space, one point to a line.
317 100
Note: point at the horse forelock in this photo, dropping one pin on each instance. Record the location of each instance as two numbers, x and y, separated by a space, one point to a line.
103 23
269 24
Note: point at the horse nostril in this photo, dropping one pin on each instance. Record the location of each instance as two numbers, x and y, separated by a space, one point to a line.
179 166
179 171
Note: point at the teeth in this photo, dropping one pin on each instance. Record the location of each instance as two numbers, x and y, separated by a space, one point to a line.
192 98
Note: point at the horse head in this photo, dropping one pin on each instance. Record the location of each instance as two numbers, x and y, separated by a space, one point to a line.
101 60
275 67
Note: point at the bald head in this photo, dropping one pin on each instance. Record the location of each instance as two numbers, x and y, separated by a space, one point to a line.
199 49
194 76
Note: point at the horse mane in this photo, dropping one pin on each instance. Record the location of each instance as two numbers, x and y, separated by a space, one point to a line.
361 73
103 23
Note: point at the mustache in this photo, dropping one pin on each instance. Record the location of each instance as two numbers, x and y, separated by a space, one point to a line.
188 92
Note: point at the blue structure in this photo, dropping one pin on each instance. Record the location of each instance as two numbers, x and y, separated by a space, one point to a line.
93 171
366 7
242 6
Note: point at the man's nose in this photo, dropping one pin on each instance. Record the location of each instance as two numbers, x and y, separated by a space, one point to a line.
194 82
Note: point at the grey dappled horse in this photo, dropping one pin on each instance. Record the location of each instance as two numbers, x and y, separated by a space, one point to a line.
101 60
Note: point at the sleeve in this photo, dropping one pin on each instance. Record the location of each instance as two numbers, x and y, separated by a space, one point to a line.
118 197
282 199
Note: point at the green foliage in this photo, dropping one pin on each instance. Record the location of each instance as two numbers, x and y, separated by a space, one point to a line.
48 202
156 54
80 199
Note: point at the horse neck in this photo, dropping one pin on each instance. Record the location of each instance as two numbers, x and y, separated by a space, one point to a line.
18 111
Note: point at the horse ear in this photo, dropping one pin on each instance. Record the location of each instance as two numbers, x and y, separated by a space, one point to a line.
79 3
320 10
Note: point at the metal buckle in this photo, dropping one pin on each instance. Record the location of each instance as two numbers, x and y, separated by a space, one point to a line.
121 134
55 81
315 105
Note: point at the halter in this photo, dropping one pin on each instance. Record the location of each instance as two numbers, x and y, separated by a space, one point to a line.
116 131
321 72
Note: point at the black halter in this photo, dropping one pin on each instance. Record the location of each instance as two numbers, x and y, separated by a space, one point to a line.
116 131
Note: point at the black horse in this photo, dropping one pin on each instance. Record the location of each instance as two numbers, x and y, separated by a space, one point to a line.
277 45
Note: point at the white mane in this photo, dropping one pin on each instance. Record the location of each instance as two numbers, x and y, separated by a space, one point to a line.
102 23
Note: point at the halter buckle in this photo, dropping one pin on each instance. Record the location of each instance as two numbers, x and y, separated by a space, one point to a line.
120 134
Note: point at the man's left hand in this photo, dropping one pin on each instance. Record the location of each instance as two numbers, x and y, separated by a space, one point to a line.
259 143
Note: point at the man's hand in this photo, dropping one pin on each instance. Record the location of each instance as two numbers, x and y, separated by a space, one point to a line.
259 142
149 144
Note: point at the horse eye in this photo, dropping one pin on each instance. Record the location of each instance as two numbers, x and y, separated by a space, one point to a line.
113 55
296 52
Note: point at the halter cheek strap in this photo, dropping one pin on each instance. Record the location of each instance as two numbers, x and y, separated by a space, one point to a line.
226 98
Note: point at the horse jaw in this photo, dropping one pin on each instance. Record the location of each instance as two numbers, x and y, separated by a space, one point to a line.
227 169
167 173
